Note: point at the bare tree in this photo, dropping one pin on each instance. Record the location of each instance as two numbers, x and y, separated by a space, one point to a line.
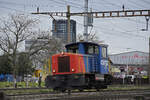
18 28
13 31
44 47
92 37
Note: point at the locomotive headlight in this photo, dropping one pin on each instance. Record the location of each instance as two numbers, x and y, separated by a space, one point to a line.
62 53
73 70
54 71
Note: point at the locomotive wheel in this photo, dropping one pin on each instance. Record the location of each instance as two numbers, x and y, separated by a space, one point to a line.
63 90
81 90
97 89
55 89
59 89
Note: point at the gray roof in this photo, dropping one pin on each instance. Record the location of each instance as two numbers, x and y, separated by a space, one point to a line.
134 57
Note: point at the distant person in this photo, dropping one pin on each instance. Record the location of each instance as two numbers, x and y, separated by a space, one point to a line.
40 81
132 80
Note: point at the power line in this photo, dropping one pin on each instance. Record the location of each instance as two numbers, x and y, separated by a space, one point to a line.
80 6
135 4
118 33
53 0
11 9
11 3
65 4
147 2
113 4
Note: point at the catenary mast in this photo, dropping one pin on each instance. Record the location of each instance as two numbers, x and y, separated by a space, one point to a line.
86 21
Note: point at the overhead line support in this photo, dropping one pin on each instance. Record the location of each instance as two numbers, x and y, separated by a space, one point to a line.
104 14
147 19
107 14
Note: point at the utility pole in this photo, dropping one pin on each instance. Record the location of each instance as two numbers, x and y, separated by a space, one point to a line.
68 21
149 63
86 20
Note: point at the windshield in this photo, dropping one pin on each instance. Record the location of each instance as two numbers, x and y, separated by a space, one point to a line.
91 49
73 49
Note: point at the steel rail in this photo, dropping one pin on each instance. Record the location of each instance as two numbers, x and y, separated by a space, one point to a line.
104 94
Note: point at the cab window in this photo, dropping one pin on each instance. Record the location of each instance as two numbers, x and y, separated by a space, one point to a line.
91 49
104 52
73 49
96 50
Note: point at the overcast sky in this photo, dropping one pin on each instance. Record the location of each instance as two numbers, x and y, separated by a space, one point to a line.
121 34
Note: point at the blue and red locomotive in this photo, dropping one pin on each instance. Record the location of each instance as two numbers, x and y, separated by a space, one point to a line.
83 66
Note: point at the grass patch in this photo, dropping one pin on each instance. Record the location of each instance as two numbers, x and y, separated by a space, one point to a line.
12 92
128 87
23 85
20 84
6 84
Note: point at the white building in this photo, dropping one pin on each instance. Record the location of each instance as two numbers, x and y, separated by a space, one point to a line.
131 62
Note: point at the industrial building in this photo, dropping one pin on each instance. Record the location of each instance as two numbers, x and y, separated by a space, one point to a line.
131 63
60 27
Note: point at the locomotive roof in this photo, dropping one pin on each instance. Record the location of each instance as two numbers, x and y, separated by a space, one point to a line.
76 43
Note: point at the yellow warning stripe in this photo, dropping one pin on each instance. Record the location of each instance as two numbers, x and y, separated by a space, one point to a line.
87 64
79 64
83 65
49 65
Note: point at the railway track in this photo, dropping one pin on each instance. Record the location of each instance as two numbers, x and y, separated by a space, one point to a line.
86 95
5 89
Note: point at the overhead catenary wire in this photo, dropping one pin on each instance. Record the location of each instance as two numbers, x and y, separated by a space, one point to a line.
146 1
75 4
110 34
114 35
136 23
106 31
137 3
135 35
51 0
118 33
109 3
11 9
59 2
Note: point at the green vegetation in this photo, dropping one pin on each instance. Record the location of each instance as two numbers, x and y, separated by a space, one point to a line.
23 85
128 87
27 91
24 65
5 65
20 84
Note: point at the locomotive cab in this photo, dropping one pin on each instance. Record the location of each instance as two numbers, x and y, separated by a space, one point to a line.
83 48
95 55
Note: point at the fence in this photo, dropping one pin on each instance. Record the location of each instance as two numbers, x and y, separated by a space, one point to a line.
136 81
